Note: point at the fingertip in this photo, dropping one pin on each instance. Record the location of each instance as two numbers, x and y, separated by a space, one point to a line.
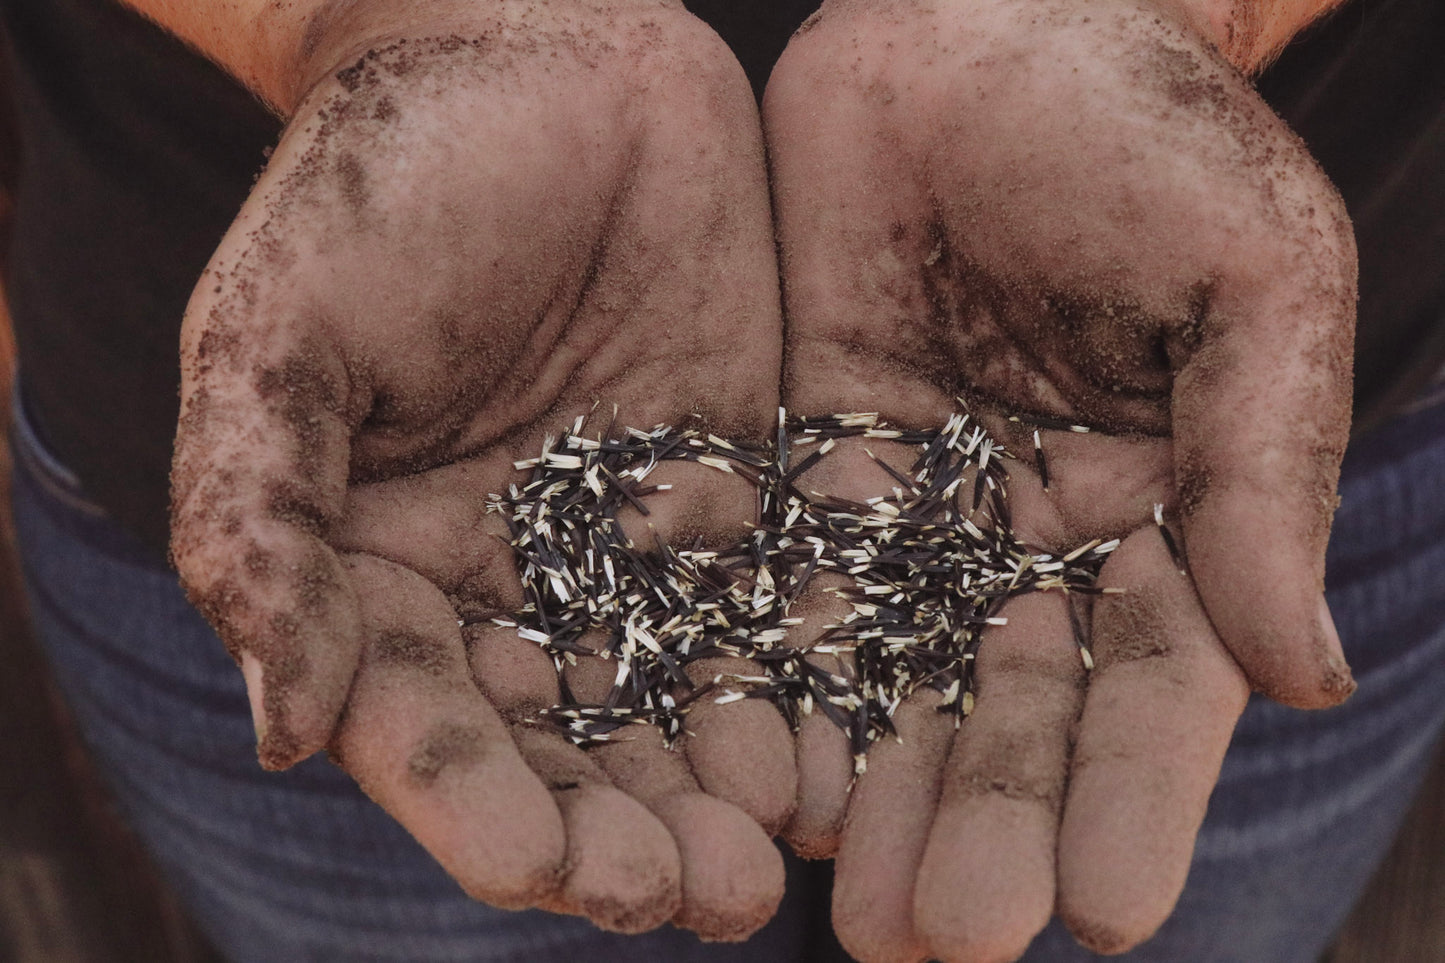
1310 675
1105 939
1321 687
295 713
486 817
1158 717
1260 582
1337 682
981 895
986 883
825 775
732 874
894 940
624 872
886 832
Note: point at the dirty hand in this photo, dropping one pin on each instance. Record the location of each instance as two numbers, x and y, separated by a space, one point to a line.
475 227
1073 214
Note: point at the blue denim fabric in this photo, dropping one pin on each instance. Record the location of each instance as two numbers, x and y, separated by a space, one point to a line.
301 866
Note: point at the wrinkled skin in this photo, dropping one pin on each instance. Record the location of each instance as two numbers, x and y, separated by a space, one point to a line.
1076 211
468 235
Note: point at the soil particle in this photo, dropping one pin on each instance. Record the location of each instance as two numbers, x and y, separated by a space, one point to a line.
218 603
413 651
304 389
1130 627
298 505
447 744
622 871
1195 480
285 668
997 771
352 175
259 562
385 109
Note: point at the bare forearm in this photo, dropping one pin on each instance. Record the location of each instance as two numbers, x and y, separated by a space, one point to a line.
1250 33
257 41
278 48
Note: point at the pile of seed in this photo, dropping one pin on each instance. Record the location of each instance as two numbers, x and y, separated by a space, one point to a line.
929 566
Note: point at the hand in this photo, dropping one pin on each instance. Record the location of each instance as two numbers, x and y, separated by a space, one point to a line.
473 230
1075 214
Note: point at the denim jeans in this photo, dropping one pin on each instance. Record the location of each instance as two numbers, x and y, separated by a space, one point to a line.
301 866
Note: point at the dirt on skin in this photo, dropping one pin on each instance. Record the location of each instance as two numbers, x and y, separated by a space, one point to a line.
622 869
616 304
1162 703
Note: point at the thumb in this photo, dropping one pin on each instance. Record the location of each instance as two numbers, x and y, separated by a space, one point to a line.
1261 418
258 477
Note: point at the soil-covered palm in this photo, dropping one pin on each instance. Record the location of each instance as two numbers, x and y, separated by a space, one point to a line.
1069 213
469 235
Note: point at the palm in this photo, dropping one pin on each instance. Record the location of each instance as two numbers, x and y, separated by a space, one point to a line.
460 245
1077 217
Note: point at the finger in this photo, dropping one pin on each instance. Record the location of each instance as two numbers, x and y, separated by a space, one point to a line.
824 754
1261 417
258 480
823 750
986 883
425 745
825 776
623 870
1162 702
885 835
732 876
740 751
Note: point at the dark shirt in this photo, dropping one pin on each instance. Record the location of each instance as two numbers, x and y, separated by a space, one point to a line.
136 154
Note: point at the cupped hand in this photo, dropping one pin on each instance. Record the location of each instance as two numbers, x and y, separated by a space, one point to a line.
473 230
1072 214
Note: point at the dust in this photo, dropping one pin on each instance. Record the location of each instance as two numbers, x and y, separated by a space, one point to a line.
1132 626
445 746
411 650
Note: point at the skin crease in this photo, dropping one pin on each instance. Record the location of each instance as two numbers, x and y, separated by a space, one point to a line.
469 234
1080 211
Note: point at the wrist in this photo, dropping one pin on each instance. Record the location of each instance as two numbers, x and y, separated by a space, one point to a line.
279 50
1248 33
338 32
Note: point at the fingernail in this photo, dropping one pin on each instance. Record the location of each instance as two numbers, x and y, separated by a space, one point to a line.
1339 681
1328 632
251 671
